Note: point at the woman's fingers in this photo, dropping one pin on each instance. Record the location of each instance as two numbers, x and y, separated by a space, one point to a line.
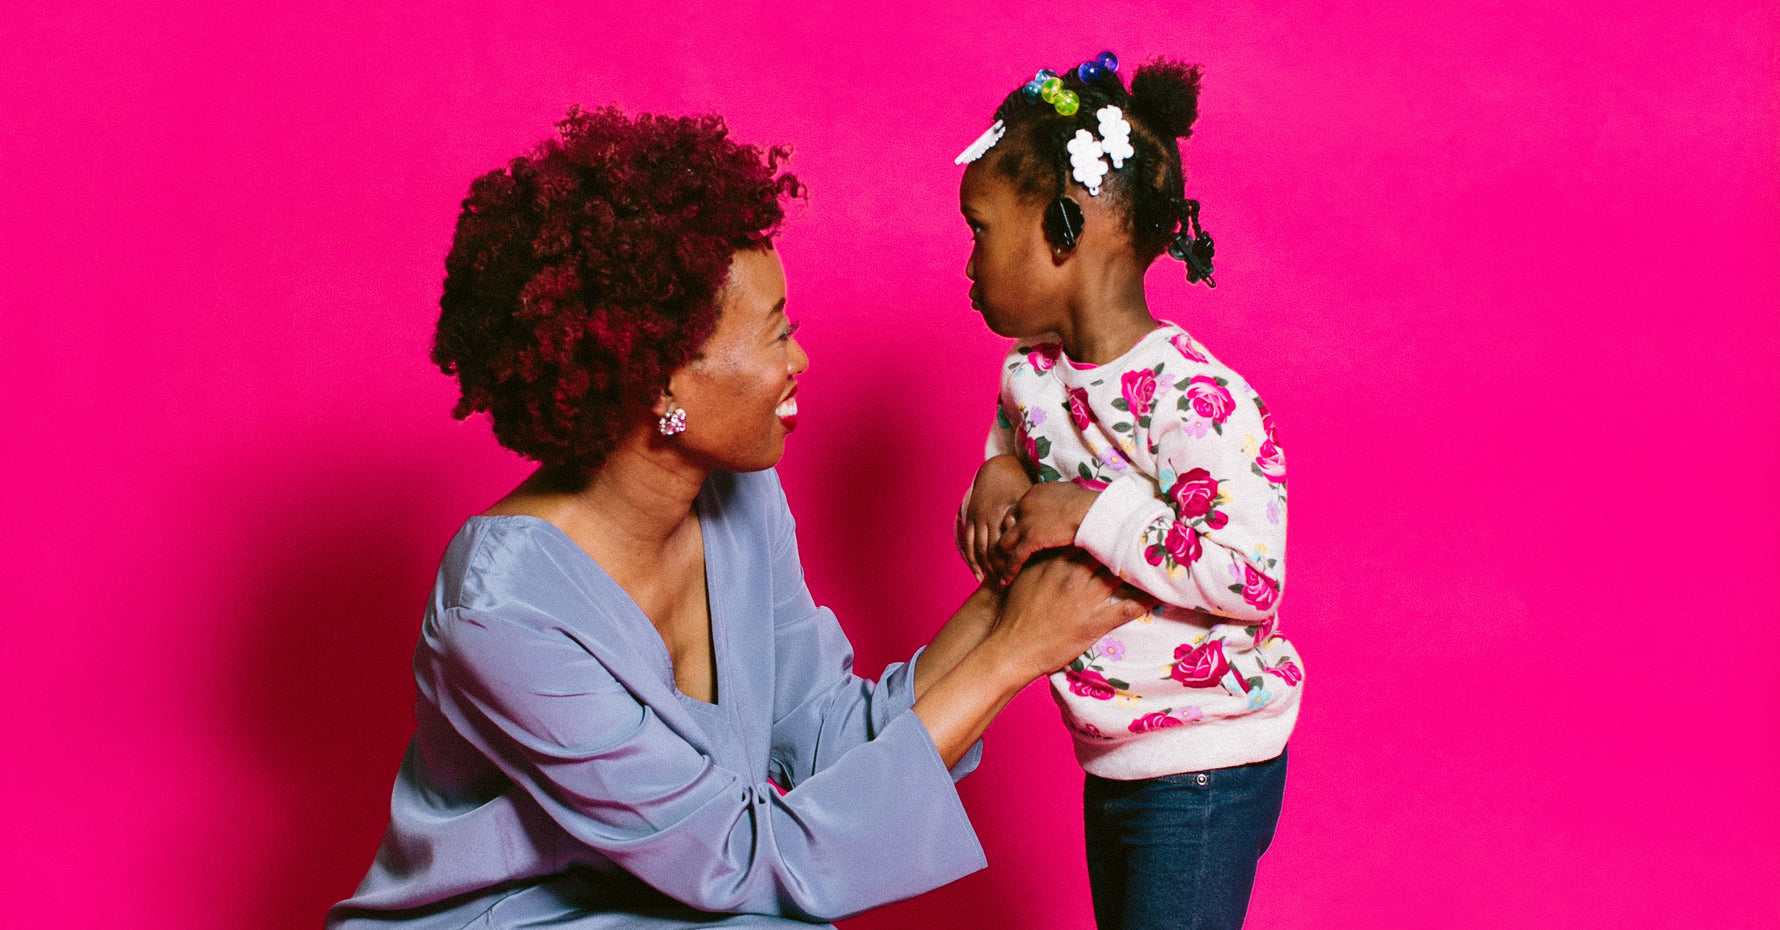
1004 568
1015 549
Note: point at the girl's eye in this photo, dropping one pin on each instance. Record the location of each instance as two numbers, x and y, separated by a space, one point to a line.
790 330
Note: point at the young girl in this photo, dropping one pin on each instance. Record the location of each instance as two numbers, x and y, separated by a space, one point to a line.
1126 437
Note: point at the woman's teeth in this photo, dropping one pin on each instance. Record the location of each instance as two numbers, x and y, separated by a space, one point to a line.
788 408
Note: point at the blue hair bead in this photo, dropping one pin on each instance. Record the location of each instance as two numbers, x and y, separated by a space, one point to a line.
1107 61
1032 90
1045 74
1088 71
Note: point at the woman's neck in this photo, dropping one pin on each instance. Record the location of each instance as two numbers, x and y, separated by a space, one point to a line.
632 511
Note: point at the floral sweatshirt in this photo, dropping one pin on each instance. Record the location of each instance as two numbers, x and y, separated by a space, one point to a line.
1192 509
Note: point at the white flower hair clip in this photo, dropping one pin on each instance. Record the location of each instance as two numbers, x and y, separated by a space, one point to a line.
1085 161
1115 135
982 145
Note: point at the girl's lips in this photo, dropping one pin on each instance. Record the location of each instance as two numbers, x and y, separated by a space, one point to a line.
787 412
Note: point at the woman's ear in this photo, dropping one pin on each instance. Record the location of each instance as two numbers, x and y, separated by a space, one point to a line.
664 402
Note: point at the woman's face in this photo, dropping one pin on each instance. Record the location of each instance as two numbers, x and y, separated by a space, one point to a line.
737 392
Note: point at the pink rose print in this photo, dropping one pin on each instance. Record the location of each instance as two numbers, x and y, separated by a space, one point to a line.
1078 408
1288 671
1183 344
1266 421
1201 666
1044 357
1217 519
1089 683
1194 492
1264 632
1209 399
1155 721
1092 484
1139 388
1272 462
1154 554
1259 590
1183 543
1029 446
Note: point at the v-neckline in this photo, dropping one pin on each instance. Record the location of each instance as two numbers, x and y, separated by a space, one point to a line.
703 504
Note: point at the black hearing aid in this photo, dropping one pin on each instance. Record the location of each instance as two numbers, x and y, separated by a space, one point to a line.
1193 245
1063 223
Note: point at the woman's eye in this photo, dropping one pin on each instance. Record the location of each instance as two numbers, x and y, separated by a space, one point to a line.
789 330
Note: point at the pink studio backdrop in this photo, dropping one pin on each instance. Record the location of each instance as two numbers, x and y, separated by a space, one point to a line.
1506 273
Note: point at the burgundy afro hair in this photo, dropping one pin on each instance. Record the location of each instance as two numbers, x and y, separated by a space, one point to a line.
584 274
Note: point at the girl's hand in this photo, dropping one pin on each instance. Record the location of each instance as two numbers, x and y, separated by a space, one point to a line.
999 483
1046 517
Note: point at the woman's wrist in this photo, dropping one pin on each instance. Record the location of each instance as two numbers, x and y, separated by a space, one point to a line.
961 634
961 704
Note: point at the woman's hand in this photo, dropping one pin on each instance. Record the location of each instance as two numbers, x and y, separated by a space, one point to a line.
1046 517
1060 605
999 484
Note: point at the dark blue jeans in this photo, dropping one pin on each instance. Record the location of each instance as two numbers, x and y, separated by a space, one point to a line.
1179 852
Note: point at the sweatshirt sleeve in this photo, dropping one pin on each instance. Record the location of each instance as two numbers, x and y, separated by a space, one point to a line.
1207 531
1000 441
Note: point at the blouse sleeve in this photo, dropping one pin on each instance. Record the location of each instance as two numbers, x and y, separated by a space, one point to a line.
1206 532
822 711
617 780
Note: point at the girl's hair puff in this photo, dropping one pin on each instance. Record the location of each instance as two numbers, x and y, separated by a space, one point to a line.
1162 104
583 274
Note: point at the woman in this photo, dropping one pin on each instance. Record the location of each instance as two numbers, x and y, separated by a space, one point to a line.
631 713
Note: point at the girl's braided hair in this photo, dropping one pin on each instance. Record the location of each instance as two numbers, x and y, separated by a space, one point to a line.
1161 105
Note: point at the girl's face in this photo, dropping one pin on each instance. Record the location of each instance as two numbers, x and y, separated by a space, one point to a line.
737 392
1015 284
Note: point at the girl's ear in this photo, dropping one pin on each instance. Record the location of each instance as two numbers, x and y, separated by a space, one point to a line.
1063 225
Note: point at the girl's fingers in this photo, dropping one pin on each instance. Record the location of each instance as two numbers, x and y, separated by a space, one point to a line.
968 550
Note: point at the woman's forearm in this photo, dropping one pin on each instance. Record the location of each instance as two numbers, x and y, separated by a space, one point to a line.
958 705
961 634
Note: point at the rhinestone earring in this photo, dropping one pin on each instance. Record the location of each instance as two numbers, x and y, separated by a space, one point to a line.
672 422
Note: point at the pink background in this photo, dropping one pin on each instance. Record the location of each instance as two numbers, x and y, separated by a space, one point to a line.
1506 273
